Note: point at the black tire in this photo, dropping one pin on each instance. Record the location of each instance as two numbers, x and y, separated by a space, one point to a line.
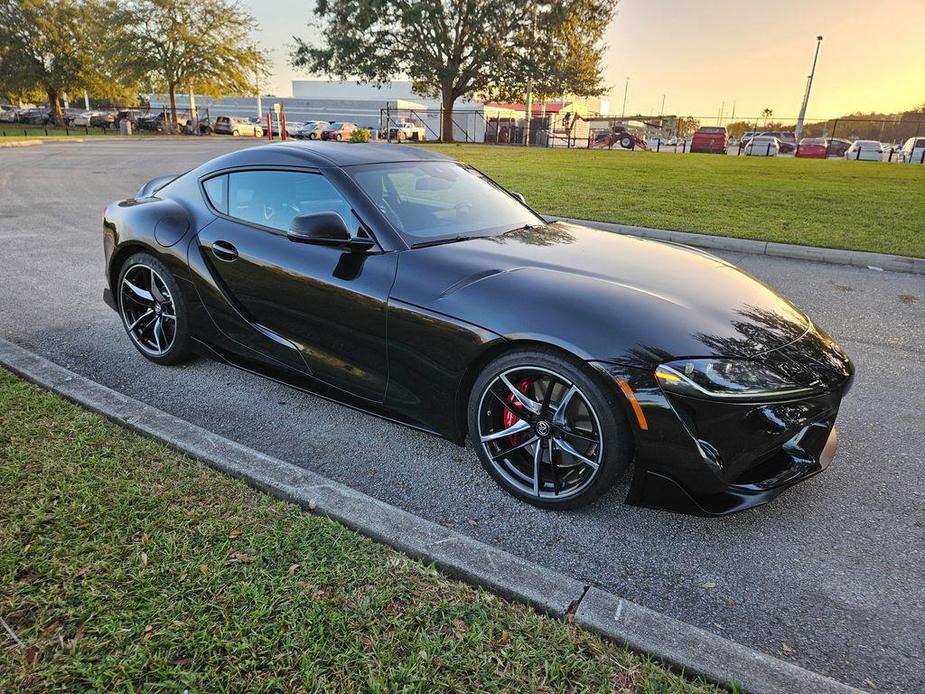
626 142
602 405
338 137
177 347
235 133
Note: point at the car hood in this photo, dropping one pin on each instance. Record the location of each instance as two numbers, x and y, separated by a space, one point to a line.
600 294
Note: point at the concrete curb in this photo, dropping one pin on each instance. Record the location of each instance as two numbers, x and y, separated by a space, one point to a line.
863 259
19 143
677 644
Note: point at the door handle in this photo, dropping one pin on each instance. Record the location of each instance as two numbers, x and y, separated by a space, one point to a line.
224 251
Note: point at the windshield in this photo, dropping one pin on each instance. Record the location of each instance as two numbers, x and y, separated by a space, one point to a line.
436 200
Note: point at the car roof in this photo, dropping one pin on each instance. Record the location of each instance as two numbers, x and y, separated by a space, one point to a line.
323 154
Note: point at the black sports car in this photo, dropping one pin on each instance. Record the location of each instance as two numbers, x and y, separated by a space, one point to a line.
405 284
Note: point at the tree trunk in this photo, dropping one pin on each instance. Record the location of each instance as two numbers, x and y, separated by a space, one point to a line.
447 126
54 106
172 91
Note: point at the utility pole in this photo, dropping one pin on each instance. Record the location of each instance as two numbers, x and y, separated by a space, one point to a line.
257 85
625 90
809 85
722 110
662 110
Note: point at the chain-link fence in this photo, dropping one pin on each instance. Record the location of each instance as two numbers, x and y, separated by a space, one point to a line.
32 122
897 137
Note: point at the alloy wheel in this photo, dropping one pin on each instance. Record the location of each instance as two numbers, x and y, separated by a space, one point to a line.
540 433
148 310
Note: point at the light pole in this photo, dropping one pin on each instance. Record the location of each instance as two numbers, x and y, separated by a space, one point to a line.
625 90
809 85
257 84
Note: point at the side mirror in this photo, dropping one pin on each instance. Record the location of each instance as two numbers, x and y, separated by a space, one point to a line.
519 197
321 227
326 229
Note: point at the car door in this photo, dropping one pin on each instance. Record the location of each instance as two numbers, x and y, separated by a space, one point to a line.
319 309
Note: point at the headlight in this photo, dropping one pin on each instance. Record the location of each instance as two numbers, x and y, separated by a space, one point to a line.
727 379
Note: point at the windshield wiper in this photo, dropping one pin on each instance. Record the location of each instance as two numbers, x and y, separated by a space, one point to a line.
440 242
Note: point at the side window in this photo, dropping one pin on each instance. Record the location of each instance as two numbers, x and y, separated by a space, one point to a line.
274 198
217 191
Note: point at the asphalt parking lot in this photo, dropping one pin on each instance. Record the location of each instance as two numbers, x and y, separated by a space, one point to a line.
830 576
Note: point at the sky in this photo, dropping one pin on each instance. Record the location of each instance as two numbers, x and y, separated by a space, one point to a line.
700 54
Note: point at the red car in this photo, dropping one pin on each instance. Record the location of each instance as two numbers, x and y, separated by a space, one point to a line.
338 131
813 148
709 140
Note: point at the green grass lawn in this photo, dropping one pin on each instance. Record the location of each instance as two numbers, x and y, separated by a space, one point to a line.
865 206
125 566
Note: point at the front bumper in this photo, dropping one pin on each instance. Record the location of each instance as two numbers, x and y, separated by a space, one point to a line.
710 457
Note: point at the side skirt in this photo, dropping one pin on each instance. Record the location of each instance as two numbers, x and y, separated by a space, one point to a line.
305 384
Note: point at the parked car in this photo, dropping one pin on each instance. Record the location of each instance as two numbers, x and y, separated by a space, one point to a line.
378 285
838 147
762 146
785 138
292 127
709 140
33 116
103 119
913 150
130 115
406 130
8 115
865 150
813 148
312 130
229 125
338 131
82 120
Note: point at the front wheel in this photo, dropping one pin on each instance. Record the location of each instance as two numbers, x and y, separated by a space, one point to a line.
547 430
153 311
312 136
235 133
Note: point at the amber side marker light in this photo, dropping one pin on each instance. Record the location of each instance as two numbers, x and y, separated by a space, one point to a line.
637 409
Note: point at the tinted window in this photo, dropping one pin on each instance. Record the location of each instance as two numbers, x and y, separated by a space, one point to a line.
216 190
274 198
434 200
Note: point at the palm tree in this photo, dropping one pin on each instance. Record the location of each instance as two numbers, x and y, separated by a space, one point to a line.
766 114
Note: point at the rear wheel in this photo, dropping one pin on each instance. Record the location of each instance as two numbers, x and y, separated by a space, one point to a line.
235 133
153 311
546 430
313 136
626 142
337 137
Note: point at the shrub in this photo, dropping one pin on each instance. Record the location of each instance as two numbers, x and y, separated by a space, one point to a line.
360 135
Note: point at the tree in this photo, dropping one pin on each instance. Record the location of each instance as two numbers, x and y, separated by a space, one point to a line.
202 45
687 125
766 114
49 47
451 49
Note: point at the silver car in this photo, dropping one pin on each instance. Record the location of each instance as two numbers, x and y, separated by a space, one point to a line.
311 130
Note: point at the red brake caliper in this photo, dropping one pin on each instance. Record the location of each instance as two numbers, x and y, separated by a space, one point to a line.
508 417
